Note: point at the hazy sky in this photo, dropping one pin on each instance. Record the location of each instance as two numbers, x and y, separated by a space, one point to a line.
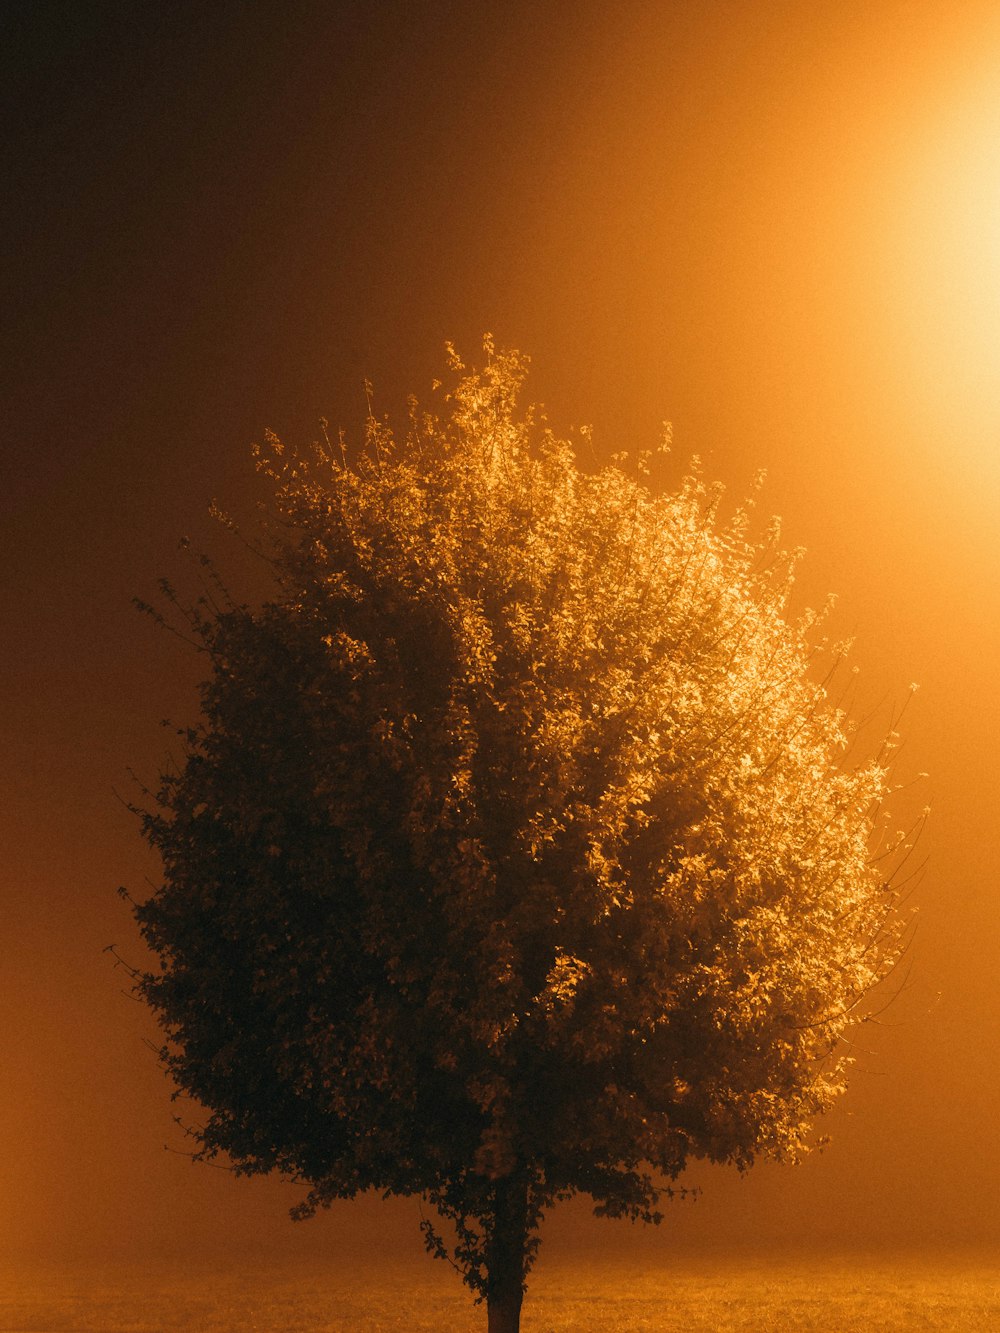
776 224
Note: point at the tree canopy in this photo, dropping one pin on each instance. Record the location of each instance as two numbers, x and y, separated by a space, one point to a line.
515 853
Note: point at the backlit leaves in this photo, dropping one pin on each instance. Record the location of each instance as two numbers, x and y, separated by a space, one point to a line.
516 842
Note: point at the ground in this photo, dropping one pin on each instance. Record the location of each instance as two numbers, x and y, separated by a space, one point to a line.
851 1294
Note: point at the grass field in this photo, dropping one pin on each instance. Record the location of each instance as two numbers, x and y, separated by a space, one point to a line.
828 1296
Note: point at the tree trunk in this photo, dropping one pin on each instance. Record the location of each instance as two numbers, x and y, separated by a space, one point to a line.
503 1311
505 1256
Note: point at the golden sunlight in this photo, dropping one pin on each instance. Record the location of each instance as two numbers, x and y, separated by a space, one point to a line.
947 275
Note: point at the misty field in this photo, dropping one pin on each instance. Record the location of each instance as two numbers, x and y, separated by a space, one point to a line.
696 1296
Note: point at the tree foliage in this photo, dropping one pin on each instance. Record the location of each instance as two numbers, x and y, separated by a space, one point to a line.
515 854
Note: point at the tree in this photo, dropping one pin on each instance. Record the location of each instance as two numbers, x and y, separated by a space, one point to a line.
514 854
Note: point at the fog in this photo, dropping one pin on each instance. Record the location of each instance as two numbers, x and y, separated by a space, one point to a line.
774 225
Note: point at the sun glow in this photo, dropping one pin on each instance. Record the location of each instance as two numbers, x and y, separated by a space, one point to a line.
947 273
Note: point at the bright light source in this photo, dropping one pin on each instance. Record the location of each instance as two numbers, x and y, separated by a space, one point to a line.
946 275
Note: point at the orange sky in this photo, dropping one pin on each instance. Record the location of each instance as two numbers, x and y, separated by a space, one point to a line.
776 224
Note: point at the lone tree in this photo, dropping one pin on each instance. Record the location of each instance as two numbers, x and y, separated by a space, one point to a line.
514 855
